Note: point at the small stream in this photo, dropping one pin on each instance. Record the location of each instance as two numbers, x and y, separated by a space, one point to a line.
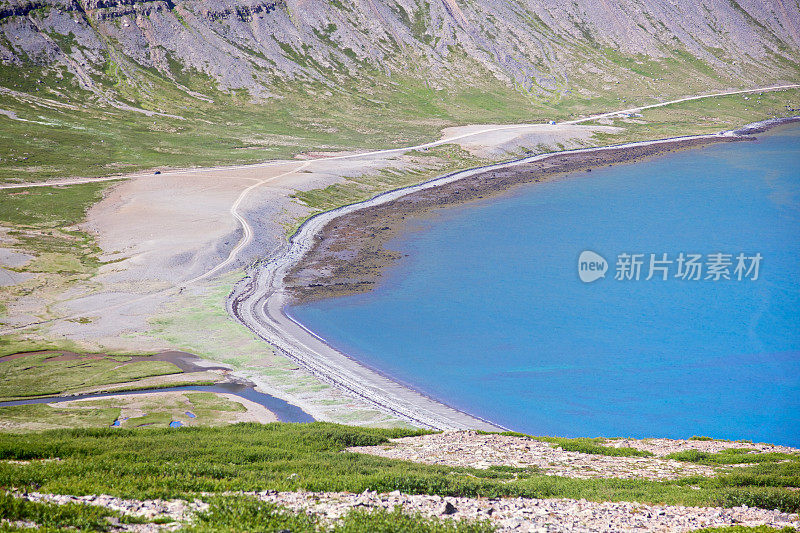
285 411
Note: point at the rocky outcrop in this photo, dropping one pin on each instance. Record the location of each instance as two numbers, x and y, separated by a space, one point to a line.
19 9
102 10
242 12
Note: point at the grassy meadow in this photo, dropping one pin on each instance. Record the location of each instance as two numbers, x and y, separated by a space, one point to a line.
44 375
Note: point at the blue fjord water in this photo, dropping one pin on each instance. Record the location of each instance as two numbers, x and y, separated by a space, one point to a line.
487 312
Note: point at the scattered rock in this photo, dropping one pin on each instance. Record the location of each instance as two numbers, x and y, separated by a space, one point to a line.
176 510
448 509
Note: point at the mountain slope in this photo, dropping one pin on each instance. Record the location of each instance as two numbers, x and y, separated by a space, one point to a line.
387 62
542 46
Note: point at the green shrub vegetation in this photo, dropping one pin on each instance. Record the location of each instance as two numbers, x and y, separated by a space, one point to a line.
731 456
249 514
594 446
362 521
231 514
49 207
183 462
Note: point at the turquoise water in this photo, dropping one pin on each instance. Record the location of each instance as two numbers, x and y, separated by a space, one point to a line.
487 312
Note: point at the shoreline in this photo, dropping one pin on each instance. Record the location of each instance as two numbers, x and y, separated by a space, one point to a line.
259 300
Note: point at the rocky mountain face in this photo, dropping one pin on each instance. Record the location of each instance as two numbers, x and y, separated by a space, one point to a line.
539 46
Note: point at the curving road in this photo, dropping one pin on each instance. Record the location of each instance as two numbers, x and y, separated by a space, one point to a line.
247 238
432 144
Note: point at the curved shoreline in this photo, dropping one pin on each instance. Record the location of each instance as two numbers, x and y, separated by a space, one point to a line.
258 301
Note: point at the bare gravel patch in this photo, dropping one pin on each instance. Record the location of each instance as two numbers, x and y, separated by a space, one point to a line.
176 510
13 258
502 142
470 449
